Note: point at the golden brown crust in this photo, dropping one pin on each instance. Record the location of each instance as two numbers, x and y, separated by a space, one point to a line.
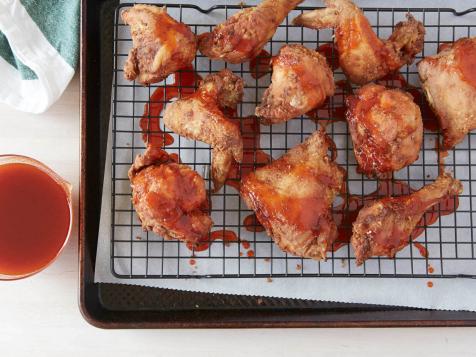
449 83
292 197
161 45
301 81
169 198
383 226
200 117
243 35
362 55
386 129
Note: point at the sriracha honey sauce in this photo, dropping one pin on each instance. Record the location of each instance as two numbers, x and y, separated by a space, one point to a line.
34 219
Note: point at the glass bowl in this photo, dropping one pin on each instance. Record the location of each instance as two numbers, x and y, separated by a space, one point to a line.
65 186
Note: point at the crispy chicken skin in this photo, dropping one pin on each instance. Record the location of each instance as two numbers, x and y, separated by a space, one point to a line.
383 227
161 45
301 81
200 117
362 55
170 198
243 35
449 82
293 196
386 129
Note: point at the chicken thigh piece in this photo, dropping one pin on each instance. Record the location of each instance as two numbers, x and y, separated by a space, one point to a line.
161 45
241 37
449 83
170 198
301 81
200 117
293 196
386 129
383 227
362 55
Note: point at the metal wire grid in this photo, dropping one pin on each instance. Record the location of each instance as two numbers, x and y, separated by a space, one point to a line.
138 254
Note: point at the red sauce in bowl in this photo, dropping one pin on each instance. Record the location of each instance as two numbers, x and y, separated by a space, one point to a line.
35 219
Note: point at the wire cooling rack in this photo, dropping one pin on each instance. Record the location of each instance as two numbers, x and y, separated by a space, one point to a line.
449 243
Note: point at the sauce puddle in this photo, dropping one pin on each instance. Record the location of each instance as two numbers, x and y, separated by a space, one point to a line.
224 235
329 51
253 156
421 249
252 224
260 65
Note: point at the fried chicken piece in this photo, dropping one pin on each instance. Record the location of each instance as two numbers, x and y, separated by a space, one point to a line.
383 227
161 45
386 129
200 117
301 81
362 55
170 198
241 37
449 82
293 196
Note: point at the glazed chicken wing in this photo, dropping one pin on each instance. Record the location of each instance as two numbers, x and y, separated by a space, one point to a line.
301 81
383 227
243 35
449 82
200 117
362 55
386 129
293 196
170 199
161 45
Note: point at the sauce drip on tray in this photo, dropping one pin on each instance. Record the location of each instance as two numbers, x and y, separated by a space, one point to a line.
252 224
260 65
184 84
224 235
253 156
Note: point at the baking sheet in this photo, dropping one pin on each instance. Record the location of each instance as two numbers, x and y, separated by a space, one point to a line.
446 294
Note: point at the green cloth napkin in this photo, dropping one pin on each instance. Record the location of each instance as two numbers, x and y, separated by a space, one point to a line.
39 46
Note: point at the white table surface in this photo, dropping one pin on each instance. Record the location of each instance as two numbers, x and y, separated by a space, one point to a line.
39 316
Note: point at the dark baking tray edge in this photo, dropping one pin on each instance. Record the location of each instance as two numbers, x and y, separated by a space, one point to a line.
95 91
